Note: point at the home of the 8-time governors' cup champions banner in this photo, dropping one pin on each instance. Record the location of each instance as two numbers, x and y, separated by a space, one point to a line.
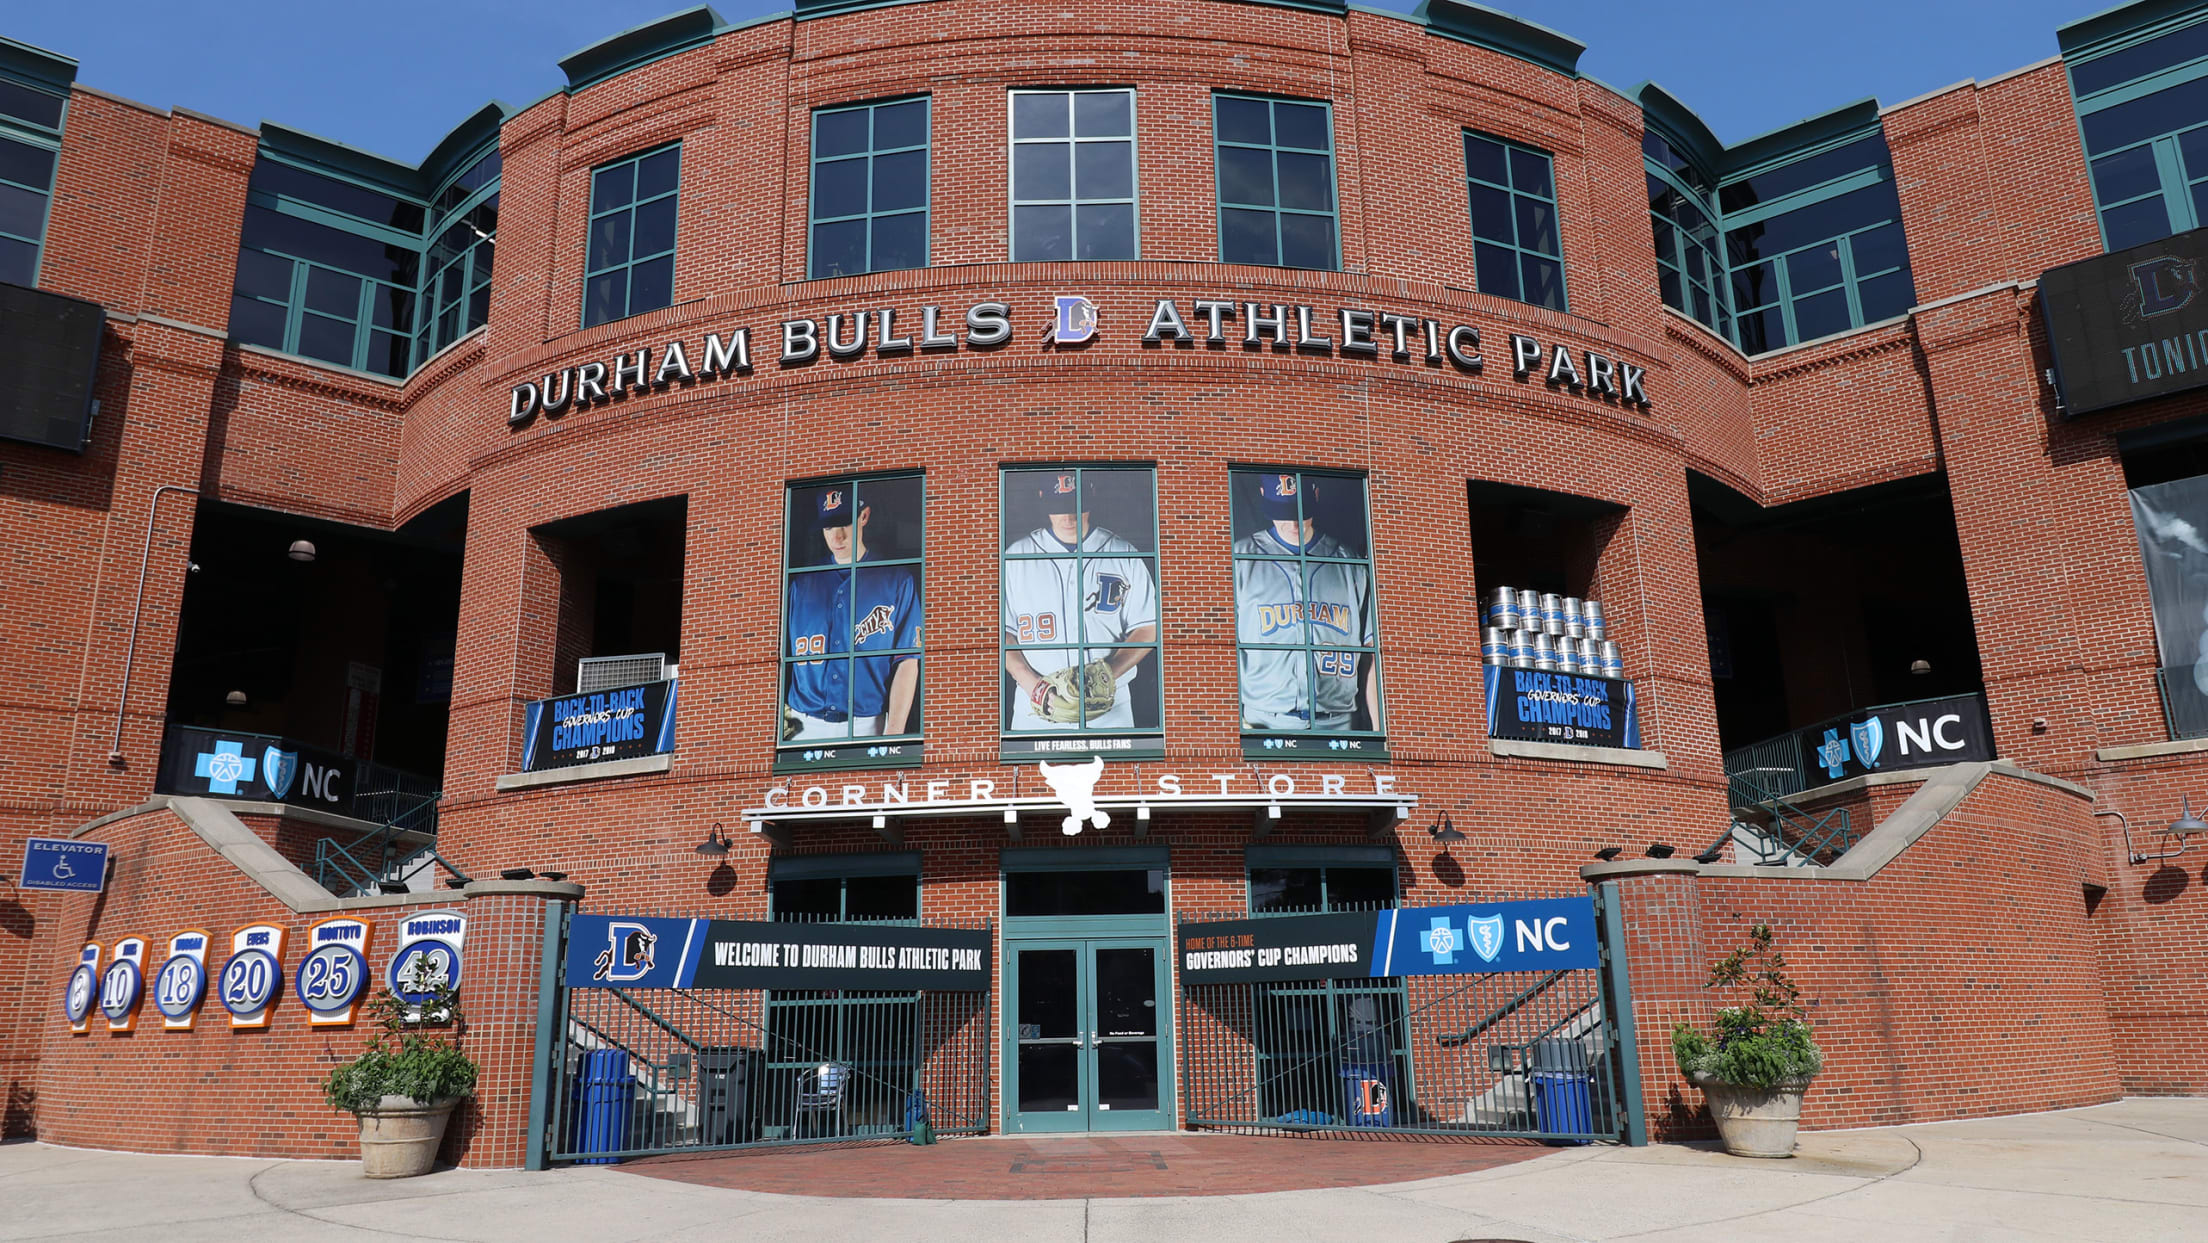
1161 602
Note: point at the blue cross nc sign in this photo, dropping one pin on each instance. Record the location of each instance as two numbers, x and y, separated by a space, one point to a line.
224 767
58 863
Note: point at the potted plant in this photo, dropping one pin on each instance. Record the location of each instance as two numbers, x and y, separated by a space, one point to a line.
404 1085
1762 1057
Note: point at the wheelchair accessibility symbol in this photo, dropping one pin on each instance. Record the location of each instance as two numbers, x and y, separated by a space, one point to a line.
62 870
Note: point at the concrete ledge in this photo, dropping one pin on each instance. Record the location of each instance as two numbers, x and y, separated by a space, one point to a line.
586 772
562 889
1904 776
1622 868
2150 750
1621 757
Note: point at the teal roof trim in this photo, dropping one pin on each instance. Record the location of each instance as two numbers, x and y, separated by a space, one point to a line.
1332 8
1679 124
2123 24
368 168
457 148
639 45
807 9
36 64
1502 32
1827 129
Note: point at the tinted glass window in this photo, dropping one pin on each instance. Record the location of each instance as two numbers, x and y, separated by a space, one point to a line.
1133 891
630 255
869 199
1274 163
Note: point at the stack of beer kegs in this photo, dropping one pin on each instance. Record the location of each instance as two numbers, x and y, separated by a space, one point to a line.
1529 629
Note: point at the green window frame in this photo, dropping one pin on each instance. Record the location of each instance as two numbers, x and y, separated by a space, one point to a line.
874 1032
1029 567
2142 105
869 201
1075 179
1273 162
1517 238
1690 261
456 267
327 268
891 572
31 120
630 265
1263 566
1849 268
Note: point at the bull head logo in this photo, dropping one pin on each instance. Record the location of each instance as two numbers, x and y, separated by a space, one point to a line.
628 954
1075 786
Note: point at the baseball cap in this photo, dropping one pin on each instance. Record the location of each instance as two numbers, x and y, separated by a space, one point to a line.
1060 493
1276 494
834 507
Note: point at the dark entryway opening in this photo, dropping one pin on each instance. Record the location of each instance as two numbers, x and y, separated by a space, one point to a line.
620 577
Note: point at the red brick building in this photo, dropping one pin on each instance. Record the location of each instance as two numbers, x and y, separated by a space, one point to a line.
354 497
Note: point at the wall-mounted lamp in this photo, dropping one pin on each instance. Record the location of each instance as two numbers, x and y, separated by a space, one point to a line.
1660 850
516 874
1607 853
1919 668
716 843
235 699
1445 832
301 550
2182 828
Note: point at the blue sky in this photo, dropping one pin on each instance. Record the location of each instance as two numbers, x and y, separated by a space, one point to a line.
394 75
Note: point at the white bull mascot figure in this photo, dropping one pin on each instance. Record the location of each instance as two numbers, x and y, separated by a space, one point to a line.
1075 786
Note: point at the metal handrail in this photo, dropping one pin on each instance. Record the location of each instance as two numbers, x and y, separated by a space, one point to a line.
1501 1012
652 1017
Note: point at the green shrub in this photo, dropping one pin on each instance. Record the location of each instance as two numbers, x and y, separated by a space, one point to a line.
409 1056
1760 1043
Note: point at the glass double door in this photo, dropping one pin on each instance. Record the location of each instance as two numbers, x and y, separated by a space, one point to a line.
1089 1045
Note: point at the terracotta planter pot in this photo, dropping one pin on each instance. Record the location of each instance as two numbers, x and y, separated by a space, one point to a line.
1756 1122
399 1139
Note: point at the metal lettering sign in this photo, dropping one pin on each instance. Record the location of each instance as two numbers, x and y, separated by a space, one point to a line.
2130 325
59 863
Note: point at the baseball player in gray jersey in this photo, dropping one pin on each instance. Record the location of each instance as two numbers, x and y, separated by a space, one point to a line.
1272 605
1115 601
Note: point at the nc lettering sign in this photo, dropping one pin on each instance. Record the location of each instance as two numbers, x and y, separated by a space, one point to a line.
596 726
1550 934
2129 325
1068 322
618 951
1912 735
1537 706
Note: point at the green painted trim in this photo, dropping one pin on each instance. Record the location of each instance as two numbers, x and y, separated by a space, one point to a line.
2109 29
1808 136
456 152
1498 31
787 767
550 954
822 867
1332 8
380 173
1084 859
1263 856
808 9
1679 125
640 45
37 66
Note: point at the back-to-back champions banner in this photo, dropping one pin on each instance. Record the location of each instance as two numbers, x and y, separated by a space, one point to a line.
640 951
1548 934
1538 706
595 726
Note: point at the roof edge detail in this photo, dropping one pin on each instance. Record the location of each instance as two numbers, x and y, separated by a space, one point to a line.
36 64
1502 32
2092 34
639 45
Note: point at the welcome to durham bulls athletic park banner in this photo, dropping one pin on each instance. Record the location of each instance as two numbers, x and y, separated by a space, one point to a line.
1535 706
595 726
638 951
2130 325
1548 934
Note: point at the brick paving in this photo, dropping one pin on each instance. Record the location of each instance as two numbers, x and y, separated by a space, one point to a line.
1079 1167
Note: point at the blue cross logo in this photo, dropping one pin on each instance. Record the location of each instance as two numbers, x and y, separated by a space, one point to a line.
1441 941
224 767
1834 754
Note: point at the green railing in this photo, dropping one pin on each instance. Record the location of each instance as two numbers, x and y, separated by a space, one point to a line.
2184 705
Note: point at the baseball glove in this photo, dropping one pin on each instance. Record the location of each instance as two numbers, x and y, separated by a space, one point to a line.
790 725
1078 693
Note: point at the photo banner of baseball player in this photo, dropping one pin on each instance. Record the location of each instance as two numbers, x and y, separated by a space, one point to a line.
1079 593
624 951
597 726
1306 621
1544 934
1533 705
852 615
2169 518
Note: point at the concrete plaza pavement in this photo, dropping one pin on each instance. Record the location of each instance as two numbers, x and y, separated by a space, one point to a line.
2129 1171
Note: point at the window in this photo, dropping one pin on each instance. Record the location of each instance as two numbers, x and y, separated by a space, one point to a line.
870 189
1517 251
327 269
1073 175
873 1032
456 284
1306 624
30 142
1275 162
631 265
851 619
1690 270
2143 113
1308 880
1815 247
1307 1031
845 888
1080 590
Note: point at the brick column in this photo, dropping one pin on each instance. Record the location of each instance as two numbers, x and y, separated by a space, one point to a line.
499 995
1666 965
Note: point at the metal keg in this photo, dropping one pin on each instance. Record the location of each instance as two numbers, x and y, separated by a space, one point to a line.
1613 665
1591 616
1575 618
1502 608
1552 613
1529 609
1495 648
1544 652
1521 649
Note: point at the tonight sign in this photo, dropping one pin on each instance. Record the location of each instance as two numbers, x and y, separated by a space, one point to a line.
2131 325
888 333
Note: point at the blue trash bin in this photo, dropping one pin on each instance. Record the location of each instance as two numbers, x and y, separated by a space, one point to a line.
1368 1093
607 1092
1563 1101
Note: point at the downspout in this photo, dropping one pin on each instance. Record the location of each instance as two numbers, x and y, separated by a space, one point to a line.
130 658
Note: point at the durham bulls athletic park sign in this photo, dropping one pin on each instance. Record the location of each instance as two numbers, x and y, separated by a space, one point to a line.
888 333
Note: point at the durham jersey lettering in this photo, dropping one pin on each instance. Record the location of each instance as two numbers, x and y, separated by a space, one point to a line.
1042 602
1271 606
825 619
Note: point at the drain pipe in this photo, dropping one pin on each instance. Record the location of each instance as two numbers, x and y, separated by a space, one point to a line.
130 658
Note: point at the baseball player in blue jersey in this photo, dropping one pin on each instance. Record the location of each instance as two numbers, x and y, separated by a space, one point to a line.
1113 601
1274 605
830 611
